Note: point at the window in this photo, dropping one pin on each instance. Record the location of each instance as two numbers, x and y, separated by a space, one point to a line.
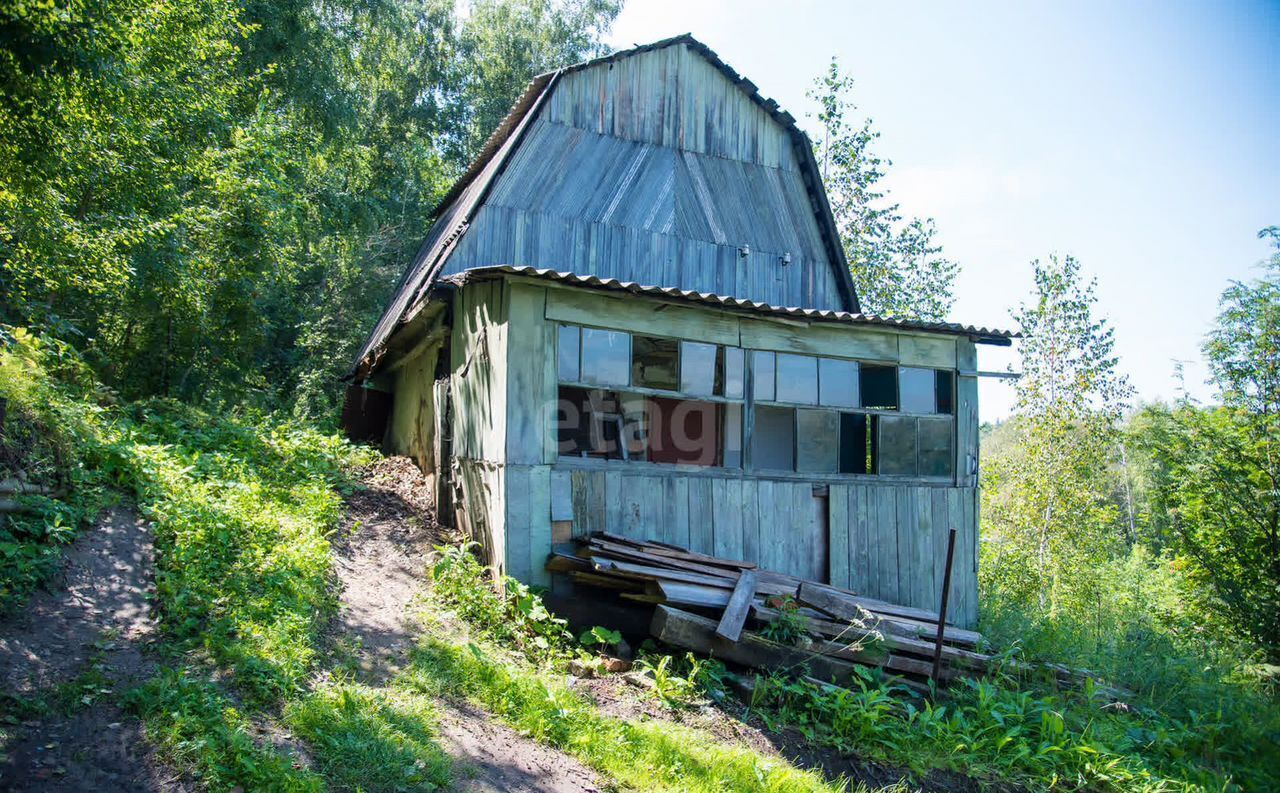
879 386
732 455
606 357
698 369
817 441
684 431
733 373
918 388
591 423
936 455
896 449
655 362
946 386
855 444
567 348
762 375
837 383
797 379
773 438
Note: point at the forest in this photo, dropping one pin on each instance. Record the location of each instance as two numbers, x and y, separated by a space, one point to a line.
204 207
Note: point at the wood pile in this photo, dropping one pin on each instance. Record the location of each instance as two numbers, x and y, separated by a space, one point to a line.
719 607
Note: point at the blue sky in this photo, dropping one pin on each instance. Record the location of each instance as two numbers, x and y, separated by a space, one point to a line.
1143 138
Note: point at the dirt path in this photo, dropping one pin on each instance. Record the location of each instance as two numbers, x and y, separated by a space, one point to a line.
382 561
77 647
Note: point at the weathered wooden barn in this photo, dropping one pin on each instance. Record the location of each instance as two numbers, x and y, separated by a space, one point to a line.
633 314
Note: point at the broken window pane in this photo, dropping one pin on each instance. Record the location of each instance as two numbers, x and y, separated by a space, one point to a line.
762 376
797 379
946 391
732 457
683 431
919 390
837 383
878 386
733 374
697 368
896 451
817 441
936 453
567 347
855 446
773 439
589 423
635 427
655 362
606 356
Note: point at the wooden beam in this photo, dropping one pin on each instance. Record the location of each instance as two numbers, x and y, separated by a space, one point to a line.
696 633
735 614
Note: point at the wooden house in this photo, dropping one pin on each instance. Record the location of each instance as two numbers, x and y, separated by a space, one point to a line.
633 314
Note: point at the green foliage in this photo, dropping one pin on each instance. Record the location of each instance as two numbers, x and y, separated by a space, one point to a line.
1047 507
200 729
790 625
213 199
654 755
371 739
1001 730
600 636
896 264
516 614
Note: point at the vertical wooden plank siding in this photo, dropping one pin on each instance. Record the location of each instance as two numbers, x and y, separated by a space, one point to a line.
701 526
838 521
751 543
539 524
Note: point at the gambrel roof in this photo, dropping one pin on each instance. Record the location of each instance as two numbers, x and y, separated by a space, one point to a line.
669 170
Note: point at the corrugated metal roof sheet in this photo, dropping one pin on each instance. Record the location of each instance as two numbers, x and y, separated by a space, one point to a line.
981 334
455 210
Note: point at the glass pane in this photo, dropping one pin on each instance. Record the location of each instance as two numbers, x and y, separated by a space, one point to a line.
697 368
762 376
878 386
732 436
797 379
838 383
855 450
773 439
733 358
919 390
606 356
817 441
946 392
936 455
897 447
655 362
568 353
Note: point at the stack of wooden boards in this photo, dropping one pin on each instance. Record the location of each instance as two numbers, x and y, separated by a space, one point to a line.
717 606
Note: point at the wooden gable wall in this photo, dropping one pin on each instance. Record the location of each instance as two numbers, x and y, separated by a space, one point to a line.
657 169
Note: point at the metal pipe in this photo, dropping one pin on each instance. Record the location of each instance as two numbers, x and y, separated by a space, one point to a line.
942 609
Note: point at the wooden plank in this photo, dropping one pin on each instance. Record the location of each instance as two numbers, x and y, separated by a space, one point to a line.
529 395
701 531
634 555
838 534
539 524
665 573
726 497
517 539
561 496
656 317
937 352
844 341
690 594
697 633
924 592
750 522
735 613
613 502
675 528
